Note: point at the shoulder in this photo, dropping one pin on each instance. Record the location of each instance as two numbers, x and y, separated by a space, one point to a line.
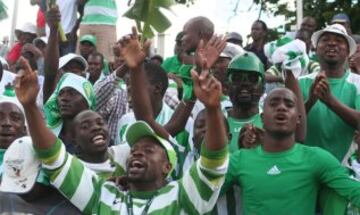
354 79
311 77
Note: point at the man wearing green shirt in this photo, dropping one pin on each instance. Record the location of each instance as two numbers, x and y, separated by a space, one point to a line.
151 160
332 95
281 176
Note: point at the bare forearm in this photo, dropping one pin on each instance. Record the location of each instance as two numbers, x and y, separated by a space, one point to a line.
51 64
215 136
42 137
178 120
292 84
349 115
141 100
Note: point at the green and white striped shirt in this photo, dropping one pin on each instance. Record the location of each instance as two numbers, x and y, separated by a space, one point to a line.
195 193
100 12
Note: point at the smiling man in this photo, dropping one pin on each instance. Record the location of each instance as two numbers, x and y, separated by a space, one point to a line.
332 96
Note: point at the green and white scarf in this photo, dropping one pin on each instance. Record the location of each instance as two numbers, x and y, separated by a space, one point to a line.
51 108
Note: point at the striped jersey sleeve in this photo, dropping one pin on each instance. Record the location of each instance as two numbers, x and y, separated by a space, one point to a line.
200 186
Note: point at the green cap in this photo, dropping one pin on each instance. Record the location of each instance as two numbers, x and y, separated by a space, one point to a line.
88 38
247 62
141 129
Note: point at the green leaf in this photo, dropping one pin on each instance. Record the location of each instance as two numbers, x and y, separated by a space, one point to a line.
147 13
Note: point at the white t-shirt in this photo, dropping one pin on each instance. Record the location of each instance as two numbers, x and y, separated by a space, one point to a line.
7 77
68 10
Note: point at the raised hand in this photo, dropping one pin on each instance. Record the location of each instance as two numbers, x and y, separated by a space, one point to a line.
250 136
26 84
207 89
207 54
131 50
53 17
322 89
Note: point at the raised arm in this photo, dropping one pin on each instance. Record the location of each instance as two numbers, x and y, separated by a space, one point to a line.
134 56
208 90
53 17
292 84
27 88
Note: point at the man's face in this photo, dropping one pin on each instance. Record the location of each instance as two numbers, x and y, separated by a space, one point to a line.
27 37
71 103
257 31
332 48
199 129
91 134
75 67
219 71
147 162
308 24
245 89
12 124
86 49
280 116
95 67
191 38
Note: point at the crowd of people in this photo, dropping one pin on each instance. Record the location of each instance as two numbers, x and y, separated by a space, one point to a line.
92 125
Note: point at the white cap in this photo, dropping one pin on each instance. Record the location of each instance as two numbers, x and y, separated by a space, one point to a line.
67 58
335 29
20 167
231 50
26 28
43 39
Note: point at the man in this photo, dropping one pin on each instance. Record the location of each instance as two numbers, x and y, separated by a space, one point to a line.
25 34
100 17
172 64
332 94
67 63
308 24
281 176
87 45
151 159
96 64
259 35
234 38
344 20
12 123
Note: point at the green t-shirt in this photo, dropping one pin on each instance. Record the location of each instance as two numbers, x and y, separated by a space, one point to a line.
100 12
324 127
287 182
235 126
171 64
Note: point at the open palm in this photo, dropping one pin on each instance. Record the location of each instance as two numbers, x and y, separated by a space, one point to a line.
207 54
26 84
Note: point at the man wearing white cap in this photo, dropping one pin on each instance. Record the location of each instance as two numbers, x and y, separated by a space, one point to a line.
25 34
333 95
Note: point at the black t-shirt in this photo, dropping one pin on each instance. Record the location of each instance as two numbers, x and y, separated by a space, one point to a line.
260 54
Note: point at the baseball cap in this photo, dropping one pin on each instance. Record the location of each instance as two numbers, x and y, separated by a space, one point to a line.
26 28
141 129
231 50
340 18
335 29
20 167
233 36
71 56
88 38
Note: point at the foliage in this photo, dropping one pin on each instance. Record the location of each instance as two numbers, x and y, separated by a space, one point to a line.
321 10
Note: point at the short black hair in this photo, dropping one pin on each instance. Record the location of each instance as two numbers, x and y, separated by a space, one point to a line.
97 54
156 75
264 26
157 57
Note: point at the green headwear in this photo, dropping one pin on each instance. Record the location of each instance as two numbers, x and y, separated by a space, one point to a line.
141 129
51 108
248 62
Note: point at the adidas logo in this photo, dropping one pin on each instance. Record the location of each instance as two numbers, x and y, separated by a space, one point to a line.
274 171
